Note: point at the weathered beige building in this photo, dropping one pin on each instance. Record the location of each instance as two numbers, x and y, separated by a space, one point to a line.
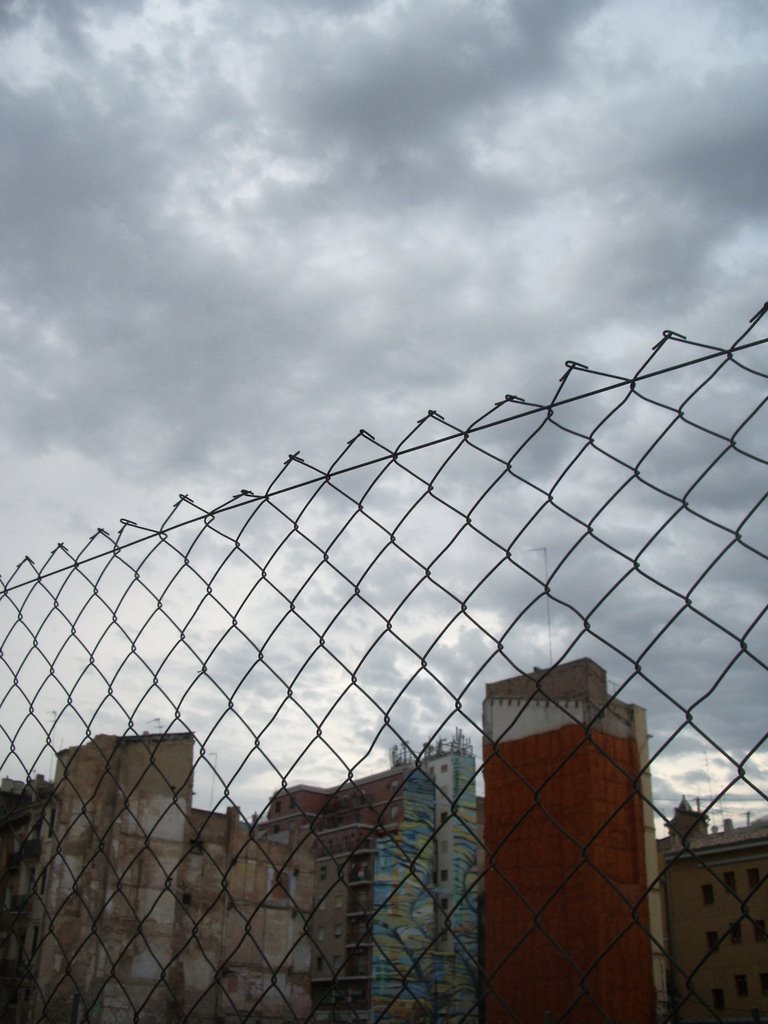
715 887
158 909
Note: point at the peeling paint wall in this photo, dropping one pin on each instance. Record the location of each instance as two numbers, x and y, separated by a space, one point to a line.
162 909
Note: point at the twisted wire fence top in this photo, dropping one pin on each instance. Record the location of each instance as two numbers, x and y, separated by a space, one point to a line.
272 651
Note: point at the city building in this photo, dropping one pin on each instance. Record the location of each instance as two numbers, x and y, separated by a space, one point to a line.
715 887
573 928
152 909
395 924
26 816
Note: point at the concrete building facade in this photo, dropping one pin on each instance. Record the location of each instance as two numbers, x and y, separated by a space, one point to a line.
154 908
572 918
395 925
715 886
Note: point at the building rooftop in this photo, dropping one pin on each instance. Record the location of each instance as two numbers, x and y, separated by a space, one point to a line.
756 832
582 679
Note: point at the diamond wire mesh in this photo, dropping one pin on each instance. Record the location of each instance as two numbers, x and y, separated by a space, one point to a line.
271 651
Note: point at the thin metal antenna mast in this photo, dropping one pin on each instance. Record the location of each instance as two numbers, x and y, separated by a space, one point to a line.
54 717
549 616
721 804
214 757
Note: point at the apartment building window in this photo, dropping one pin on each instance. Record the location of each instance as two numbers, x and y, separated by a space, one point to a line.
764 984
736 931
742 989
323 872
337 931
443 817
730 880
707 894
760 933
753 877
320 933
336 962
718 998
318 963
712 940
444 875
338 901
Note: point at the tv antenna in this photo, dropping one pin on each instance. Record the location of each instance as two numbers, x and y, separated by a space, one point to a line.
546 583
53 717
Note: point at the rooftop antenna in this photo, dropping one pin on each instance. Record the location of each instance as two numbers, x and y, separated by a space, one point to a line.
549 617
215 758
721 803
53 716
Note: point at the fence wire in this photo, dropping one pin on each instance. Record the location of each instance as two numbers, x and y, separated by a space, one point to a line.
373 743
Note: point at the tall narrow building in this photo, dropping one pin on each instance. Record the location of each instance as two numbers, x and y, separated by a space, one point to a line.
569 837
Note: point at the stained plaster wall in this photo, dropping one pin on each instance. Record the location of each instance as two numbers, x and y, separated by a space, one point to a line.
162 909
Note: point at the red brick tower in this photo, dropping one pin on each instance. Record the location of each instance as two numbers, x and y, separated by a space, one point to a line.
567 932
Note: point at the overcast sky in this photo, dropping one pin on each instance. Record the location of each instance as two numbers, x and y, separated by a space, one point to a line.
232 230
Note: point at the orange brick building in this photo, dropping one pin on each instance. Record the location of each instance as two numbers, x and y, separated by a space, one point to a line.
568 914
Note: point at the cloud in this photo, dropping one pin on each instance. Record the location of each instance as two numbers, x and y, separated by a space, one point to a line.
233 232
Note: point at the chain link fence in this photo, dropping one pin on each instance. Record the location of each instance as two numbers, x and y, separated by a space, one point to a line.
373 743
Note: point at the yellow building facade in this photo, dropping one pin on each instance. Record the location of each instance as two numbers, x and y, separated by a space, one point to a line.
715 887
